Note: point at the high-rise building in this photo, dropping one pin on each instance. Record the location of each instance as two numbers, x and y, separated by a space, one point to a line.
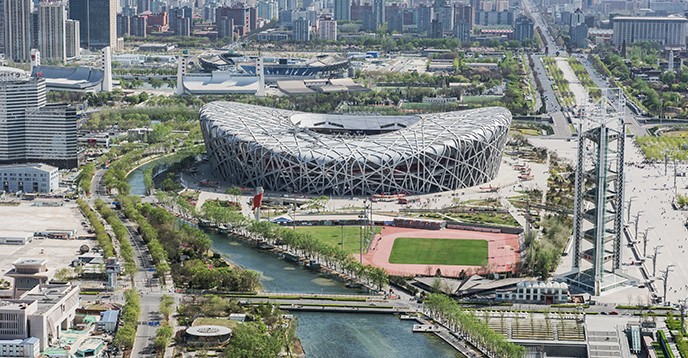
327 28
181 20
579 35
342 10
123 25
52 31
72 39
445 15
225 27
267 9
523 28
30 130
302 29
667 31
17 29
97 22
240 15
379 13
143 5
424 18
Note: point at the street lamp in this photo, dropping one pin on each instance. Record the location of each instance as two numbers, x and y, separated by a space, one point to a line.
645 240
666 279
360 244
637 220
654 259
683 303
630 201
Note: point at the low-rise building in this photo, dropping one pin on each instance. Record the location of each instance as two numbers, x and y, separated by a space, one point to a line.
536 292
27 274
29 178
43 312
108 321
29 347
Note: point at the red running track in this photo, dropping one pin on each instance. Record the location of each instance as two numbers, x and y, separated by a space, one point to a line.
503 251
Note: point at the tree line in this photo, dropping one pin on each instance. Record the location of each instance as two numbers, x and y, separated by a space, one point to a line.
448 312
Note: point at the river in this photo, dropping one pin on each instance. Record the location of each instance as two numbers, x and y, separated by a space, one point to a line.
324 334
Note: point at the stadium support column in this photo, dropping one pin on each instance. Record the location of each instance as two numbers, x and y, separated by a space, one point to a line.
181 72
578 202
106 66
260 72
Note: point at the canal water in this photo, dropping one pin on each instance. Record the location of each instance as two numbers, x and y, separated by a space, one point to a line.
324 334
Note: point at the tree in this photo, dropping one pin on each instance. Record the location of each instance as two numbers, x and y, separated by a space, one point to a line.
251 340
235 192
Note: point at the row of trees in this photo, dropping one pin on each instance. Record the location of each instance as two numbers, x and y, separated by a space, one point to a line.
312 248
85 176
165 333
149 234
128 118
104 240
584 77
446 311
126 251
126 333
299 242
198 274
186 249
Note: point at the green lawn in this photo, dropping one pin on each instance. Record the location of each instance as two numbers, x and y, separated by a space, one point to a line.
333 235
439 252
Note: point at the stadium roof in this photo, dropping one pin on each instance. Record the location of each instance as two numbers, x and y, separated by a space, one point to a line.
280 130
73 78
219 82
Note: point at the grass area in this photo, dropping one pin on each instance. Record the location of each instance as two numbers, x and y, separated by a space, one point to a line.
678 133
481 99
654 147
504 219
205 321
439 252
333 235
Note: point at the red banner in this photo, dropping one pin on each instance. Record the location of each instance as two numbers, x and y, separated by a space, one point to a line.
257 200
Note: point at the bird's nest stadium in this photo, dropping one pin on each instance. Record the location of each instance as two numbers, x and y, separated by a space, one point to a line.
349 155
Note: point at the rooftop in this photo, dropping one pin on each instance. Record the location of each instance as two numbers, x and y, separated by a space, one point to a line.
208 331
40 166
651 18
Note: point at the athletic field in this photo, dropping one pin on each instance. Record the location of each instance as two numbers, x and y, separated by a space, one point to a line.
408 250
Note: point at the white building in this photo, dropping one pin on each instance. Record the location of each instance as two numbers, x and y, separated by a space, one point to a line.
29 347
536 292
42 312
29 178
668 30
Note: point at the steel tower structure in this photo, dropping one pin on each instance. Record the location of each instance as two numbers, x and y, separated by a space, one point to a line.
599 196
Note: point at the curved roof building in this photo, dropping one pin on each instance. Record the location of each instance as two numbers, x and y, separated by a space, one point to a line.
79 78
331 154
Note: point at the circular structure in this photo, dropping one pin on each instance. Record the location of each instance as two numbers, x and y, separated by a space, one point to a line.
208 334
333 154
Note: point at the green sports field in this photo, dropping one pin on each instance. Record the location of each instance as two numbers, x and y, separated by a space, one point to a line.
332 235
439 252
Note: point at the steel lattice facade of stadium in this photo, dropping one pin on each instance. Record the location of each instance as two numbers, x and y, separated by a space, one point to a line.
258 146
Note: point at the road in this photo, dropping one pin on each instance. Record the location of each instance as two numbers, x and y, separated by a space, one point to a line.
150 289
560 123
631 121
